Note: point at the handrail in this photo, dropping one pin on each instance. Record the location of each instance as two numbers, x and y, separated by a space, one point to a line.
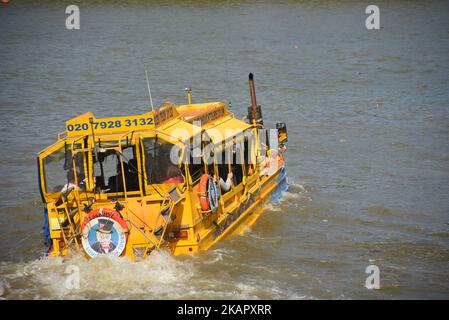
121 162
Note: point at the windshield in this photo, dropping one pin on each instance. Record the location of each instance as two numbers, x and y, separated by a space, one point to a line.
108 170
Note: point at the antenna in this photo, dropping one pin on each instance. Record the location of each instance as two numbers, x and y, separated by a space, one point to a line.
189 95
149 91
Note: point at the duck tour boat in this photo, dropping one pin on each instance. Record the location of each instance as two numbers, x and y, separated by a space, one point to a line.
179 178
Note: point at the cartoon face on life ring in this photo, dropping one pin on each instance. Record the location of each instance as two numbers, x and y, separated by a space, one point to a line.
104 232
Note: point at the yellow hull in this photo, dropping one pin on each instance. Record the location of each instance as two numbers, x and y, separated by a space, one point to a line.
208 232
255 207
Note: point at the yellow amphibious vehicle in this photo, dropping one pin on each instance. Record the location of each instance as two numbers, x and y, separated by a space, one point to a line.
179 177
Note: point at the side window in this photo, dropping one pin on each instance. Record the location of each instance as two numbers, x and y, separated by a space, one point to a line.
196 161
249 158
158 162
131 168
196 167
237 161
58 169
108 172
263 143
108 169
223 163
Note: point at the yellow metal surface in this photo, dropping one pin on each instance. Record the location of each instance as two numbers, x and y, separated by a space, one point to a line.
81 125
180 130
203 112
220 131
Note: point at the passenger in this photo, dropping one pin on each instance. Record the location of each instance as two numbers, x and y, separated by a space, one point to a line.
132 169
225 186
174 175
115 183
71 181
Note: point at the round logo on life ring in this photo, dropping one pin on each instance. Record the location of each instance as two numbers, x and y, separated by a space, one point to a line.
103 234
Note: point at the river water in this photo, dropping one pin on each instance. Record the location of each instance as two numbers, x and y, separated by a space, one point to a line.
368 152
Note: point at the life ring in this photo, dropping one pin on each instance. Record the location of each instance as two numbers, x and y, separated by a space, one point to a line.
104 231
213 195
208 193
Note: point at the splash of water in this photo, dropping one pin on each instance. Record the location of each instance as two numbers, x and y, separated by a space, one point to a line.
105 277
162 276
296 187
296 193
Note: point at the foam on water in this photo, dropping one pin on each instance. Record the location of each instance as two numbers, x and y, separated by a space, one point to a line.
162 276
294 185
217 256
296 194
272 207
104 277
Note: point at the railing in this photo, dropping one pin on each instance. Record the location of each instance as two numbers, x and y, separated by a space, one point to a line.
156 238
69 212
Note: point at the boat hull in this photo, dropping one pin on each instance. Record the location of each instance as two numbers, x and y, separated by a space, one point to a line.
246 213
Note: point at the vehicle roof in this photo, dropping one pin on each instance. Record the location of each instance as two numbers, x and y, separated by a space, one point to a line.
178 122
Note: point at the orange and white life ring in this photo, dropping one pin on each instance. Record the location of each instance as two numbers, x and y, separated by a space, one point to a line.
104 231
204 197
209 194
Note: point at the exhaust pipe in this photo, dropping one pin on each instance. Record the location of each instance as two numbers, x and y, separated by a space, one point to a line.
254 111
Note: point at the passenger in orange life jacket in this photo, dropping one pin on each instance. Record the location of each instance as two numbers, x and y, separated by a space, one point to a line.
174 175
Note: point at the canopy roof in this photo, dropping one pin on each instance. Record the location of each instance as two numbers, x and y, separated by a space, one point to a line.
179 123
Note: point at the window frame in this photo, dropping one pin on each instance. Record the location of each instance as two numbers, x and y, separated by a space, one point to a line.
150 187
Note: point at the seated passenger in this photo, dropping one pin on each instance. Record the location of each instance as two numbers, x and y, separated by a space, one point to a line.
71 181
225 186
238 171
115 183
174 175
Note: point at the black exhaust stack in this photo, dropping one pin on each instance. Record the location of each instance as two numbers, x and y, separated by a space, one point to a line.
254 111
